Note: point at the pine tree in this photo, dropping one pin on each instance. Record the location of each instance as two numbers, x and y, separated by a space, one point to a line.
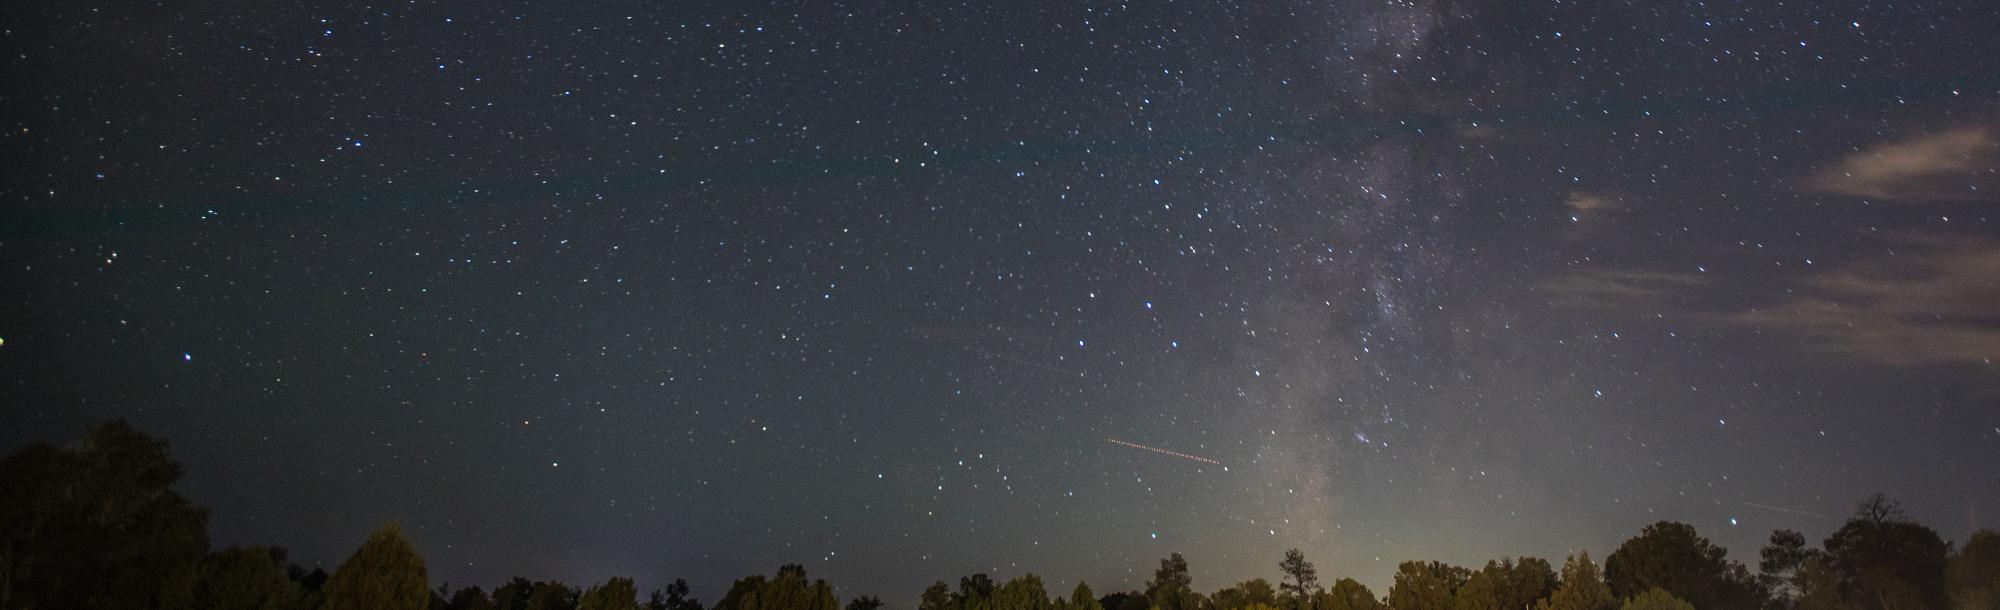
1301 580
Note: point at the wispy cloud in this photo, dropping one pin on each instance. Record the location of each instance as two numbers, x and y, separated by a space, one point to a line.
1932 300
1953 165
1611 288
1582 201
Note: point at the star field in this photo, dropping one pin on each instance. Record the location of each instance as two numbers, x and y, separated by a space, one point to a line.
909 291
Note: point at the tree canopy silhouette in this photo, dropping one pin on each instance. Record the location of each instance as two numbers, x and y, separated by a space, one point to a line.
386 573
1582 587
94 526
1423 585
98 525
1887 562
1673 557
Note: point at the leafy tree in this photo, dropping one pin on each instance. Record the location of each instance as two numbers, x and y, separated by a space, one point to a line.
94 526
1887 562
935 597
975 592
1253 592
1972 577
1171 587
552 595
514 595
309 582
1673 557
675 597
1347 594
234 579
1124 600
386 573
1507 585
1300 582
1426 586
1082 598
1024 592
615 594
469 598
1817 585
1582 587
1655 599
1778 563
789 590
865 602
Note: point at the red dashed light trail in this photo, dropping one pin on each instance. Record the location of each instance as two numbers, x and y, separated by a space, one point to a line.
1164 452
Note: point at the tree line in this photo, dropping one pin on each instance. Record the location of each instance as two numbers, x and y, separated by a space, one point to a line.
98 524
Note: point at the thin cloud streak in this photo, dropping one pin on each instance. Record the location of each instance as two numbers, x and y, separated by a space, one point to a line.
1952 165
1932 300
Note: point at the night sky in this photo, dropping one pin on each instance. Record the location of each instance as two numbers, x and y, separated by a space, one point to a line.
903 291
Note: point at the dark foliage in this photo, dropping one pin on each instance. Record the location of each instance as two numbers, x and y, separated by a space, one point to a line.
99 525
94 526
1674 558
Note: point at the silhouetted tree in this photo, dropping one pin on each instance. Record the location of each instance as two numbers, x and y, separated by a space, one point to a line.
789 590
1426 586
1507 585
469 598
865 602
1172 588
1124 600
1582 587
1816 584
234 579
1655 599
1673 557
674 597
744 593
1972 577
615 594
386 573
1024 592
1347 594
1300 582
1777 564
935 597
1082 598
309 582
975 592
552 595
94 526
514 595
1887 562
1253 592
